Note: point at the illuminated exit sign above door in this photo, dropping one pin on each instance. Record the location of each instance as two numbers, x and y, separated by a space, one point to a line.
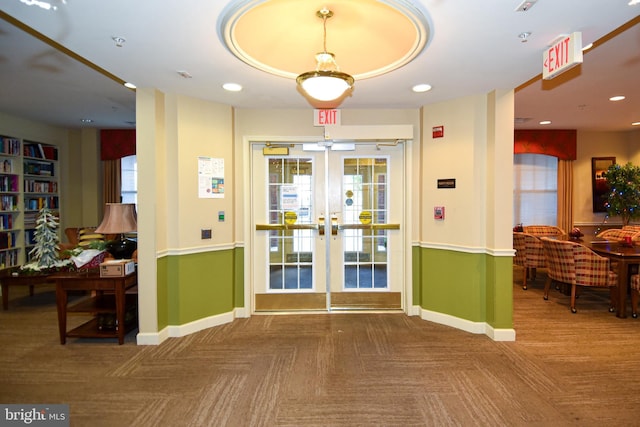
566 53
325 117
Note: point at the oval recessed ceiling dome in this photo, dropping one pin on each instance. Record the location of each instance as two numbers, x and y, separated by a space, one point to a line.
281 37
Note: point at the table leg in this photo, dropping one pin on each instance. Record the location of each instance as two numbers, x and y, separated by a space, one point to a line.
623 282
120 301
5 296
61 302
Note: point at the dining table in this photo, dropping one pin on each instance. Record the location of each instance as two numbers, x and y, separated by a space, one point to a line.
624 255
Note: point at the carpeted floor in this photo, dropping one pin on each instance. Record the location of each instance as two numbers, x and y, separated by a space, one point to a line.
336 370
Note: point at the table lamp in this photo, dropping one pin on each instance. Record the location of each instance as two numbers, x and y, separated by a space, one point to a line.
119 218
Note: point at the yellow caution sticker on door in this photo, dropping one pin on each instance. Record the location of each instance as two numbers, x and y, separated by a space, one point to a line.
365 217
290 217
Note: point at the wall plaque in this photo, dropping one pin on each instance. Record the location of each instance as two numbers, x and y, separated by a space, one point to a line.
447 183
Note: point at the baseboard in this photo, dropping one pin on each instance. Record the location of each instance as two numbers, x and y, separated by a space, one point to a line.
177 331
469 326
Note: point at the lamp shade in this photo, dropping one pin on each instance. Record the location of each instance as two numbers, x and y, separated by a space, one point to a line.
118 218
325 85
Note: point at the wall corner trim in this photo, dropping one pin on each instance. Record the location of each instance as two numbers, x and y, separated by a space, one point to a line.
469 326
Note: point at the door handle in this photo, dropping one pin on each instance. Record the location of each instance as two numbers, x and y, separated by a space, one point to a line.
334 226
369 227
283 227
321 225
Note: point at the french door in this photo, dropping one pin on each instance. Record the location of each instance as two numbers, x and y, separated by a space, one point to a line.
327 226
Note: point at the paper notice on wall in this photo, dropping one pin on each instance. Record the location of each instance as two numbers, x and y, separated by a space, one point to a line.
210 178
289 197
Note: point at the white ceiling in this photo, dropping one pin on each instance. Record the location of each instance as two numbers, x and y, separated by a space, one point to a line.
474 49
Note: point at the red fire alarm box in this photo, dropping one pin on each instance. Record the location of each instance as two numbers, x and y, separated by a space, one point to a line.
438 212
438 131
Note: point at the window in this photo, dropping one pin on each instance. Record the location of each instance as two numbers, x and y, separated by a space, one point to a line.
129 180
535 192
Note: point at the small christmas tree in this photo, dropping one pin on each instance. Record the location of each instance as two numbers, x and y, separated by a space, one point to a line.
45 252
624 198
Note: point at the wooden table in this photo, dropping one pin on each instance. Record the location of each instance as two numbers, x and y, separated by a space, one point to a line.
110 297
7 279
625 256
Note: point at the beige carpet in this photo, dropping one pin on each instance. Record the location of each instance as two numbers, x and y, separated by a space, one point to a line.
336 370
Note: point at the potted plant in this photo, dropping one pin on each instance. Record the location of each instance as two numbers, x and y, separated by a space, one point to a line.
623 199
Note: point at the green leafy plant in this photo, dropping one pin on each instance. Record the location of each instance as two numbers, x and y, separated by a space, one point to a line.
624 195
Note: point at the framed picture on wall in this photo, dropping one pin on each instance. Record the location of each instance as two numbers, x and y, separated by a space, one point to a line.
599 186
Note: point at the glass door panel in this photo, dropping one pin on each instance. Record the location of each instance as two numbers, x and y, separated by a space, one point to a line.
324 235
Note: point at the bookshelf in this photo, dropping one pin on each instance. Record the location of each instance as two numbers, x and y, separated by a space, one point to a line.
10 156
28 181
40 186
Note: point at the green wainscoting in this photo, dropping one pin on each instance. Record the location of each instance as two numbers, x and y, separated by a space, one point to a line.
472 286
196 286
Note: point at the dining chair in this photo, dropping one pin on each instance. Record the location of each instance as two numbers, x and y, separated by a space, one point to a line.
535 258
543 230
576 265
520 257
618 234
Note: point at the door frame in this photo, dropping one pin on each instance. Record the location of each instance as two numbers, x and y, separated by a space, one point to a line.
247 203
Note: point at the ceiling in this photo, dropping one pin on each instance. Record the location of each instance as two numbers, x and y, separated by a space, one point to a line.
61 65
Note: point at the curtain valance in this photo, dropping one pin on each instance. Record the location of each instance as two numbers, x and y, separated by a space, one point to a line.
560 143
117 143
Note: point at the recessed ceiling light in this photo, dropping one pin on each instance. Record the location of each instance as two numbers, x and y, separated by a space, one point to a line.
130 85
545 122
422 87
635 124
185 74
587 47
617 98
232 87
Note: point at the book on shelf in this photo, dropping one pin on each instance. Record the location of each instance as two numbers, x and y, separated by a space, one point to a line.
9 146
7 240
6 166
40 151
6 221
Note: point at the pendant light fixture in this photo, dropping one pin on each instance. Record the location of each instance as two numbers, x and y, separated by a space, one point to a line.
327 82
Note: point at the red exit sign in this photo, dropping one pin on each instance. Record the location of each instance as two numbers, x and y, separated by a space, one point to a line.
566 53
324 117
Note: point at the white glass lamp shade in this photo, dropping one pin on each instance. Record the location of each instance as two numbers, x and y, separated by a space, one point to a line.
325 85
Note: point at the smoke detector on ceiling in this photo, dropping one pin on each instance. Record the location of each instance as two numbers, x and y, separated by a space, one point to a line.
526 5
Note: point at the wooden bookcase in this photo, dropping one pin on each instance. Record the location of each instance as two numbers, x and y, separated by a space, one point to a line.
28 181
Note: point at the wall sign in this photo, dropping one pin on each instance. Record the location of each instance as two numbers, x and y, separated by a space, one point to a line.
447 183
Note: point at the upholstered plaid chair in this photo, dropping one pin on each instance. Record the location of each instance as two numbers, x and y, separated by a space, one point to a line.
543 230
520 257
635 295
577 265
618 234
534 257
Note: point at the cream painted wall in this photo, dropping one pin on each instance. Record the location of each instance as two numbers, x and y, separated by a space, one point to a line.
499 170
455 156
624 146
203 129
